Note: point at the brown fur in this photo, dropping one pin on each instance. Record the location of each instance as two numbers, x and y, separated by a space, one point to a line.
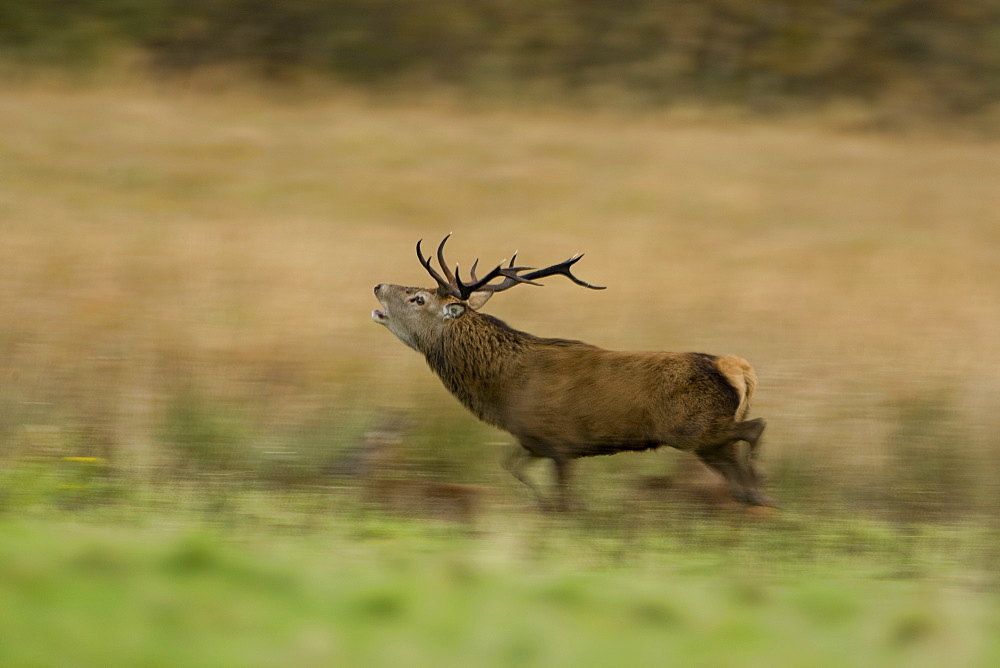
566 399
739 372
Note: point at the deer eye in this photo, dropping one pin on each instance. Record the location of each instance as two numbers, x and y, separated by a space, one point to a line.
418 300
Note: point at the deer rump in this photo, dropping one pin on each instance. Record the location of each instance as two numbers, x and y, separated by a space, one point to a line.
576 400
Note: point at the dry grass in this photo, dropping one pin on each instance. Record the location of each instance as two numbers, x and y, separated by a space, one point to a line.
162 243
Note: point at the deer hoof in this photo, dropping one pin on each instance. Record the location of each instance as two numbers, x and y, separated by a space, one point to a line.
755 498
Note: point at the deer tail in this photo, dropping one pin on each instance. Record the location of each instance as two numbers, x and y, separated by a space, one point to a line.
742 377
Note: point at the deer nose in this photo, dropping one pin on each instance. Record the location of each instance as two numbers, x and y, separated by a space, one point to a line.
378 287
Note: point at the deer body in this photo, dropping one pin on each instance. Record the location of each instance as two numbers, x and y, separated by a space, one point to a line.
564 399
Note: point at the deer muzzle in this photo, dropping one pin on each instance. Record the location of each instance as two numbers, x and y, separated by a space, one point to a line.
379 315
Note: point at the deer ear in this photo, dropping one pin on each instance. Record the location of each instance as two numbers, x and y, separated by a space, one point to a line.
477 299
453 310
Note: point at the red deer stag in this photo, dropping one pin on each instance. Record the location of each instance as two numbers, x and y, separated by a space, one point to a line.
566 399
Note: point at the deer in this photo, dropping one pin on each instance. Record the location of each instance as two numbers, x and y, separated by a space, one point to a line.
564 399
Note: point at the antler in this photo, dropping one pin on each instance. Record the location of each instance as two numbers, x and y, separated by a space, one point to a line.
563 268
453 285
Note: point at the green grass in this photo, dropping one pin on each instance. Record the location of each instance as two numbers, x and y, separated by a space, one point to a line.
216 572
292 579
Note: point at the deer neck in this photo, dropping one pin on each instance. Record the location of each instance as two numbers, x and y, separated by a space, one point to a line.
476 359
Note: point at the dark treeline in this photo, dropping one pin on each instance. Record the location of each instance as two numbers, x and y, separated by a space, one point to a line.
940 55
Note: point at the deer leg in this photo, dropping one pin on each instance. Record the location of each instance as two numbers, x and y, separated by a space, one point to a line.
722 459
562 483
518 458
750 431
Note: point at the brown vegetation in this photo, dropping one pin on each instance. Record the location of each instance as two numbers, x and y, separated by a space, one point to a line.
691 491
187 276
389 481
691 483
905 58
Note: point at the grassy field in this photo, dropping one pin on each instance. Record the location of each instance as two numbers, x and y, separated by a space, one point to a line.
185 283
293 579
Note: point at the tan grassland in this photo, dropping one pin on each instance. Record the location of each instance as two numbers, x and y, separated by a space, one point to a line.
164 241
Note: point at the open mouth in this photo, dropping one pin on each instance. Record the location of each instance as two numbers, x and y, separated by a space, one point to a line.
380 316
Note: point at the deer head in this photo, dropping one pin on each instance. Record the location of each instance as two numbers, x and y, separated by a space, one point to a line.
417 315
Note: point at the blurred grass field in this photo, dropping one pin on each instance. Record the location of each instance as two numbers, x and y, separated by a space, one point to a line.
274 587
185 283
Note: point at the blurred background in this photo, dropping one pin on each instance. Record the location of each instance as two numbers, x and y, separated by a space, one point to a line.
196 200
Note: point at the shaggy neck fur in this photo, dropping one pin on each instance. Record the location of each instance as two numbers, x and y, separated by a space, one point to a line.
475 357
